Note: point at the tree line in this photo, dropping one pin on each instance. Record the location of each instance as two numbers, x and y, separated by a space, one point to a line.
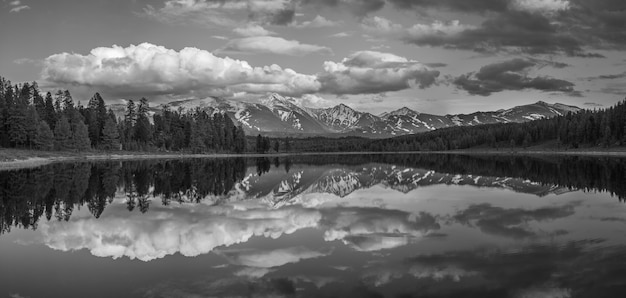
587 128
31 120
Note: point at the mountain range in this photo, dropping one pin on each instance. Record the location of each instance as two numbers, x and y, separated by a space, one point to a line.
279 116
278 188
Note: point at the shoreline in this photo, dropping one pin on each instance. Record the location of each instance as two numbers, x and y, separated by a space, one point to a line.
38 158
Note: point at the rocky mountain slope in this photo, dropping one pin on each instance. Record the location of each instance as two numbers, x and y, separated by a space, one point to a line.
280 115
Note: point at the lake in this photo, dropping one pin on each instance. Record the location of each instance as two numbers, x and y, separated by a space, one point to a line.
316 226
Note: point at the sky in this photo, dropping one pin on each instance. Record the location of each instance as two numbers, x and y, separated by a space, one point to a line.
433 56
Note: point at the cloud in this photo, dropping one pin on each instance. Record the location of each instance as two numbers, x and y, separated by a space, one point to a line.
484 6
374 72
270 258
569 27
317 22
528 270
509 75
148 69
359 8
253 30
274 12
509 222
340 34
373 229
608 77
22 61
436 64
593 104
511 31
453 5
201 12
151 70
190 230
541 6
273 45
436 29
253 272
314 101
380 25
17 6
219 13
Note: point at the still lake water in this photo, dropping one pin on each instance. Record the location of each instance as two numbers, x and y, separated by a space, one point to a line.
316 226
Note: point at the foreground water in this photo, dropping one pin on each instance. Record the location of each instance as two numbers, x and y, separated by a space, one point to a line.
327 226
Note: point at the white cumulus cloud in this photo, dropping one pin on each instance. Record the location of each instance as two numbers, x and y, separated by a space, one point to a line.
374 72
155 72
273 45
252 30
148 69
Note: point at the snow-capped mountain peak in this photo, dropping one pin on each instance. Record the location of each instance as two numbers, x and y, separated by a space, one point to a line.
404 111
276 114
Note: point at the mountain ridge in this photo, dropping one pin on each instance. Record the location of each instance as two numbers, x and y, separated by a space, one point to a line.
278 115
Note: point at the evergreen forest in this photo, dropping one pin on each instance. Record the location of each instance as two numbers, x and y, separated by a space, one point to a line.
32 120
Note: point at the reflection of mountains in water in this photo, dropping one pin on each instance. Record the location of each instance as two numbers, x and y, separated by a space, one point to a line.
279 187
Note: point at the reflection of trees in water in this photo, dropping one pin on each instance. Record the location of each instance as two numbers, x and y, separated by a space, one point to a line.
56 190
574 172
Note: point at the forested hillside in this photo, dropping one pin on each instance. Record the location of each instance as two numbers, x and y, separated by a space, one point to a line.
600 128
32 120
586 128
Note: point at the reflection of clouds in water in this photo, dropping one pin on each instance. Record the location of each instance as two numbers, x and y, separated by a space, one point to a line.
253 272
372 229
199 228
543 292
269 258
191 230
439 273
388 273
510 222
374 242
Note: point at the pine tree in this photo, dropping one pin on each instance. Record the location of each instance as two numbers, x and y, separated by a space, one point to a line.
80 136
240 140
38 100
96 118
266 144
129 121
259 144
143 131
197 144
276 145
58 101
32 125
49 114
110 135
17 122
62 134
68 104
287 144
45 137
